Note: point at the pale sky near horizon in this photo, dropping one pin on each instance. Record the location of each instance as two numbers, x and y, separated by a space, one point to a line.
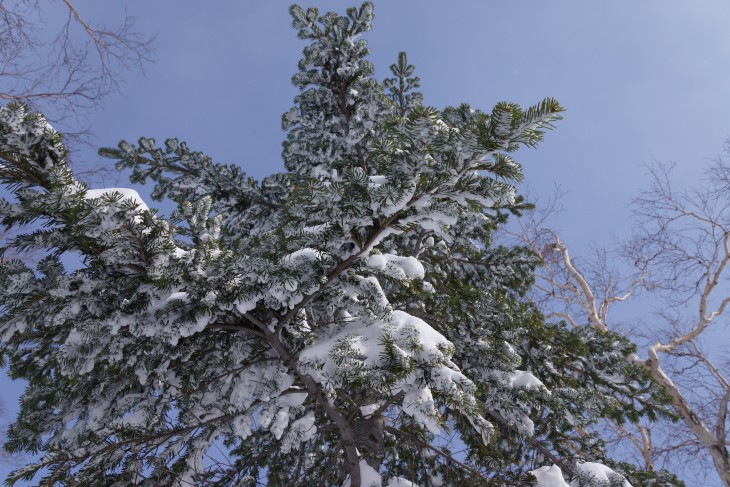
641 80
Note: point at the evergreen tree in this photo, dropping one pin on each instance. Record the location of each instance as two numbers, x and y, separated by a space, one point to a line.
329 325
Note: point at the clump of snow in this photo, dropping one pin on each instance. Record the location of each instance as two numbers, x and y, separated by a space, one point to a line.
292 400
245 305
400 482
525 380
181 296
549 477
242 425
600 474
127 194
302 255
365 338
419 404
367 345
397 266
280 421
108 214
369 409
369 477
300 431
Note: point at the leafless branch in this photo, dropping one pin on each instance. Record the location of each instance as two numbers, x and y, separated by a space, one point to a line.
69 72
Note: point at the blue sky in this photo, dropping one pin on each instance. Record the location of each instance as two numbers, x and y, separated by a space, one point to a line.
640 81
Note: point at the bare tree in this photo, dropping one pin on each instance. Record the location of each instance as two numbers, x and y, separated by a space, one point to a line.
678 257
682 242
581 293
61 64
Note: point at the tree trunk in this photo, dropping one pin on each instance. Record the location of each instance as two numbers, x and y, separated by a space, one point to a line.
715 446
368 436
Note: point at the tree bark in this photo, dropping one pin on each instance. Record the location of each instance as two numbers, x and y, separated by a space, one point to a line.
715 446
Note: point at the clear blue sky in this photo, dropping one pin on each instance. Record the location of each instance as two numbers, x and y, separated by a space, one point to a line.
640 80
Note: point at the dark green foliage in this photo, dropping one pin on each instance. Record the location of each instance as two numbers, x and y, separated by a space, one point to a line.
345 319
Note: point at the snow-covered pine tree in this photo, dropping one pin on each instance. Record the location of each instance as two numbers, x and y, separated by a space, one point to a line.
329 325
